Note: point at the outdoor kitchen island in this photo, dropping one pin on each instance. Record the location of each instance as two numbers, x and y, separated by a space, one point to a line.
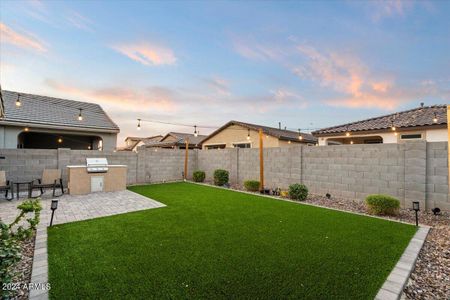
96 176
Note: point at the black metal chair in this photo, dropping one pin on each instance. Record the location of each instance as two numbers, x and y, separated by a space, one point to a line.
51 178
6 186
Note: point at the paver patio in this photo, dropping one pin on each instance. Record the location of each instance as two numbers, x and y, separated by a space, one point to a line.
77 208
70 209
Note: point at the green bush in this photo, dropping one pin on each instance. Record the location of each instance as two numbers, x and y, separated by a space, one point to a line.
220 177
251 185
298 191
199 176
10 241
382 204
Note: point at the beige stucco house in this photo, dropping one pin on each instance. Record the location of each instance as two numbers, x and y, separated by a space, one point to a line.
427 123
235 134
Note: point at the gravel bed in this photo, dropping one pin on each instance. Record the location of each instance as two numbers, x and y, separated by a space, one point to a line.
23 268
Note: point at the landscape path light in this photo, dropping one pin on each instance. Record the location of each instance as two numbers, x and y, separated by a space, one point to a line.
53 207
416 208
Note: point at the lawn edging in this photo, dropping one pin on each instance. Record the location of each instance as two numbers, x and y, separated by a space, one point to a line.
39 273
392 288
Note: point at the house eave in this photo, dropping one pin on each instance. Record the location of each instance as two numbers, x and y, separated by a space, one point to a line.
20 123
383 130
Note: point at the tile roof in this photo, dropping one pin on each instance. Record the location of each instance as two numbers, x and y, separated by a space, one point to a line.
281 134
421 116
47 111
180 139
136 140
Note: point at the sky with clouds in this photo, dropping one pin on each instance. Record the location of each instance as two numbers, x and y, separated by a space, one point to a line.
307 64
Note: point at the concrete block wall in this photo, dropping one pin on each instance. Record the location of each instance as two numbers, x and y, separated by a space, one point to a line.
165 164
355 171
210 160
26 164
413 171
437 189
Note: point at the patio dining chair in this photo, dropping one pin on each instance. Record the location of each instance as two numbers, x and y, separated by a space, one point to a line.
6 186
51 179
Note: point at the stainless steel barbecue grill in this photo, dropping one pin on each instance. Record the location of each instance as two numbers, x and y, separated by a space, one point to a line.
97 165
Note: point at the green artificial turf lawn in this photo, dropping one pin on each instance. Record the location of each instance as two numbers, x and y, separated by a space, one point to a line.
214 243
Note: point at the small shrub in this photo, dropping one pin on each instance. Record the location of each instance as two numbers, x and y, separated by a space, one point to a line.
382 204
199 176
10 241
251 185
221 177
298 191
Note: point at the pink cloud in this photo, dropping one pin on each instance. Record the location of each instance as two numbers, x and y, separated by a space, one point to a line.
147 54
136 100
349 76
22 40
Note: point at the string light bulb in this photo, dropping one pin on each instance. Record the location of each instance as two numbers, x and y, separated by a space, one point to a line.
60 140
300 137
289 142
26 129
435 119
139 124
80 116
195 131
351 142
18 103
393 126
248 134
347 133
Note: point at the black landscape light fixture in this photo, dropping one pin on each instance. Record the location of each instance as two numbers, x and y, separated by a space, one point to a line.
328 195
416 208
53 207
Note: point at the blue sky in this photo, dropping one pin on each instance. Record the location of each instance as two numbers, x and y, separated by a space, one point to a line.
308 64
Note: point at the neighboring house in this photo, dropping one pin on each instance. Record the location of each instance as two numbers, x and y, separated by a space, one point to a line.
40 122
133 142
423 123
177 140
235 134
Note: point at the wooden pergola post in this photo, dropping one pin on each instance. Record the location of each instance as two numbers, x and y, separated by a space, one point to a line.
261 161
186 157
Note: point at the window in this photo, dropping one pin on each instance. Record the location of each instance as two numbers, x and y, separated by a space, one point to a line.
217 146
242 145
411 136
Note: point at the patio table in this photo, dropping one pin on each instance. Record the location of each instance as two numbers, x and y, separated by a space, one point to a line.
17 184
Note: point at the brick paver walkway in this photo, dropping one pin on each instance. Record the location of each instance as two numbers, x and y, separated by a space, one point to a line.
70 209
